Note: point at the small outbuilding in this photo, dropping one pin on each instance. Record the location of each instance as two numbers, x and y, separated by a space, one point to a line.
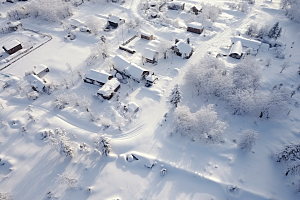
146 36
195 10
183 49
176 5
40 70
36 83
109 88
236 50
115 21
195 27
98 78
13 26
12 47
150 56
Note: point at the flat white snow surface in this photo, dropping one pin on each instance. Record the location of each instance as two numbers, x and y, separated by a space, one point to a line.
250 43
35 162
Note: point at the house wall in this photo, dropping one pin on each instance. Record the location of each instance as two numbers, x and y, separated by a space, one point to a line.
146 37
13 50
195 30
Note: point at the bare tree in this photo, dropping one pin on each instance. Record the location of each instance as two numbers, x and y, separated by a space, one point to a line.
285 65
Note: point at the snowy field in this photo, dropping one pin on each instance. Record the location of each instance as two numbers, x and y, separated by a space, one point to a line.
221 136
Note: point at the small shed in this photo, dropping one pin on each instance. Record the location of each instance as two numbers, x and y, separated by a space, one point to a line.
13 26
195 27
97 78
150 56
176 5
183 49
236 50
146 36
36 83
109 88
115 21
40 70
195 10
12 46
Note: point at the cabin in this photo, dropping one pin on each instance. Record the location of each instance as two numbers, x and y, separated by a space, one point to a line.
195 27
128 69
183 49
13 26
36 83
97 78
127 49
150 56
109 88
40 70
175 5
195 10
12 47
115 21
236 50
146 36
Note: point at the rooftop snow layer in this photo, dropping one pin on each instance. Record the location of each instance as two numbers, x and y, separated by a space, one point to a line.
108 88
149 53
176 3
114 19
236 48
146 34
195 25
254 44
39 68
14 24
11 44
135 71
120 63
101 76
184 47
36 82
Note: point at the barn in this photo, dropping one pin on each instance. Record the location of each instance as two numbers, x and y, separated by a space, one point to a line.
146 36
150 56
40 70
195 27
12 46
109 88
176 5
183 49
115 21
236 50
97 78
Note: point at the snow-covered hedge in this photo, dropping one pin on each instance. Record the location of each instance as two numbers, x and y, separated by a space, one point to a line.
203 124
49 10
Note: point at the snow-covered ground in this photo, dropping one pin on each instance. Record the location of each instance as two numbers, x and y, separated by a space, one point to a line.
148 159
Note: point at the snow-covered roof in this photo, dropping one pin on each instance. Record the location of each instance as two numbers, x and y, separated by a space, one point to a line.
76 22
135 71
36 82
108 88
146 34
14 24
236 48
254 44
151 78
11 44
120 62
101 76
39 68
149 53
195 25
176 3
114 19
184 47
132 107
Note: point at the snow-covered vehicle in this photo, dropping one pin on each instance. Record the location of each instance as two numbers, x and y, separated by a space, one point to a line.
70 36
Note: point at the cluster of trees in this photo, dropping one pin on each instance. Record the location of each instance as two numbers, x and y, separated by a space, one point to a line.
242 6
210 11
247 140
239 88
49 10
101 49
94 24
264 31
292 8
201 125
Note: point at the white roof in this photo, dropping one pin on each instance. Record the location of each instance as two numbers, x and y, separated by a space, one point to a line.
11 44
195 25
39 68
36 82
151 78
146 34
254 44
108 88
114 19
14 24
236 48
101 76
184 47
120 63
135 71
132 106
76 22
177 3
149 53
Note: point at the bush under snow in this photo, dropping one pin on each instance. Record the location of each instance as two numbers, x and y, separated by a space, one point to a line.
247 140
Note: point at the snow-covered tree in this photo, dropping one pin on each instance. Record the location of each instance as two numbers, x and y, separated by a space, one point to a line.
211 12
292 8
203 124
61 143
102 144
101 48
274 31
252 29
263 31
247 140
175 96
94 24
5 196
284 65
290 154
68 179
60 101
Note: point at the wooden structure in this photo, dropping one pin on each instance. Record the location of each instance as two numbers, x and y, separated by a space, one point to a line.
97 78
183 49
129 50
115 21
12 47
176 5
40 70
150 56
195 27
109 88
195 10
146 36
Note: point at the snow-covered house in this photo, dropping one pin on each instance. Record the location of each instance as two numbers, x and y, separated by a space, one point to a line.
12 46
236 50
176 5
128 69
195 10
183 49
195 27
40 70
75 23
13 26
97 78
109 88
115 21
150 55
36 83
146 36
252 45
